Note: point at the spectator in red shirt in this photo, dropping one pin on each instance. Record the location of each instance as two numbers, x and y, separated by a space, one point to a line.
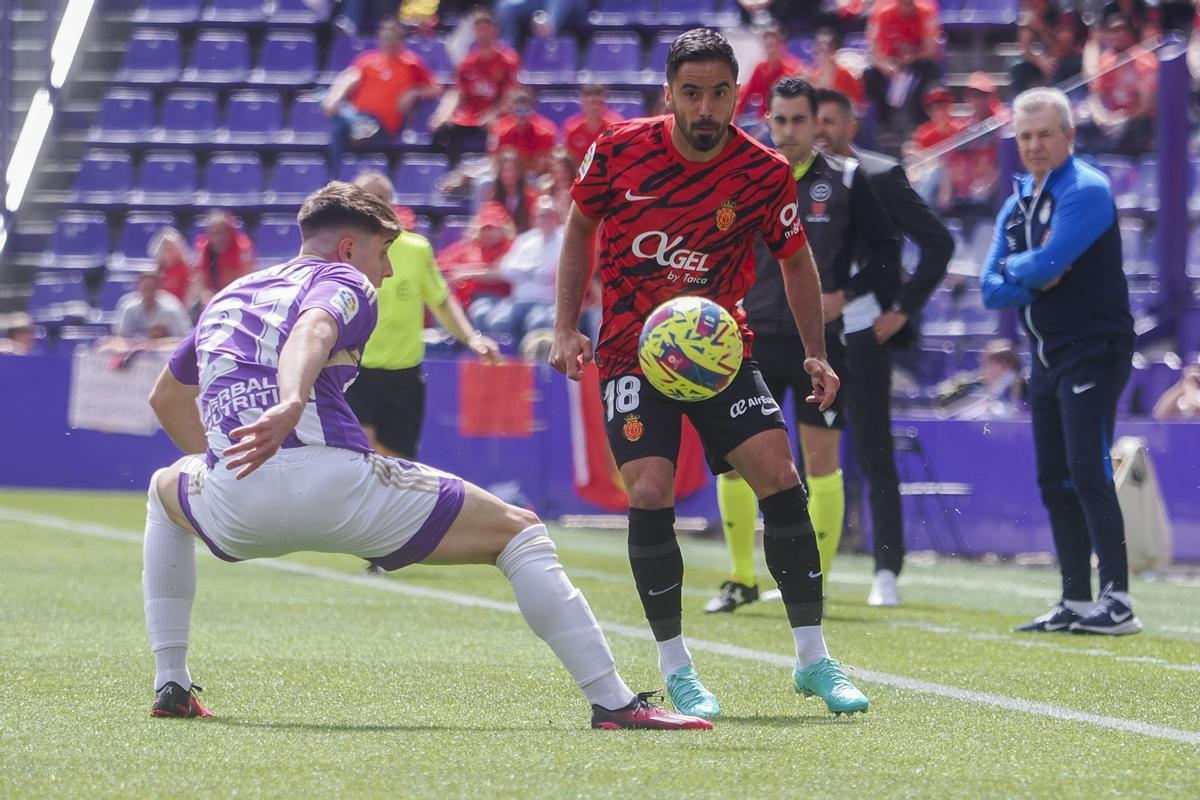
224 253
472 264
975 166
905 48
827 73
933 179
376 91
594 119
485 78
779 63
526 132
1122 100
171 254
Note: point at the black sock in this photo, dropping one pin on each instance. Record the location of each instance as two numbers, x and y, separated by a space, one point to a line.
657 568
790 545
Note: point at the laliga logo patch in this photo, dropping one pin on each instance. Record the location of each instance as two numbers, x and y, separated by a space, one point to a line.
726 215
345 303
587 162
633 428
1045 211
820 192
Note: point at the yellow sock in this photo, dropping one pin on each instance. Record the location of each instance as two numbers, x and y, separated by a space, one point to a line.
827 509
739 511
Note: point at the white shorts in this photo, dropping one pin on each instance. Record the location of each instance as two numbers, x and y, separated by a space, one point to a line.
388 511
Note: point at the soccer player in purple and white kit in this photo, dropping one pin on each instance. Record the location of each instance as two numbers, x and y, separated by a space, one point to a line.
279 463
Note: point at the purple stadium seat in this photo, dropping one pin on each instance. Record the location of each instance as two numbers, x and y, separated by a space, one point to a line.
126 115
1187 335
432 50
297 176
550 60
288 58
416 126
80 241
135 236
168 177
423 227
658 54
233 179
219 57
416 180
153 56
232 11
683 13
352 165
451 231
615 57
188 115
115 286
105 176
344 50
558 106
253 117
168 12
616 13
51 290
803 48
308 123
277 237
1147 185
1160 374
629 105
297 12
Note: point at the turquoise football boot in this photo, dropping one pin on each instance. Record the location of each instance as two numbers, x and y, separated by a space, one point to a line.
689 695
824 679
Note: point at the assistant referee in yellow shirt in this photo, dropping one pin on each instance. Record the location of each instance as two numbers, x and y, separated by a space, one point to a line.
389 394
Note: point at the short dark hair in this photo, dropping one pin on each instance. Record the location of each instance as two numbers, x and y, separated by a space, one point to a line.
795 87
700 44
343 205
835 97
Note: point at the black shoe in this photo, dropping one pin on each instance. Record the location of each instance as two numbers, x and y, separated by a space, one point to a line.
1110 617
175 701
1058 618
731 596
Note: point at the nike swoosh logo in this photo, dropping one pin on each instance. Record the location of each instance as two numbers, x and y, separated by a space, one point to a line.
654 593
814 574
1080 388
768 410
633 198
1119 618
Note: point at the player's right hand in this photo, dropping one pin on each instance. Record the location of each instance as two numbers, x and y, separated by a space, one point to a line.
825 382
570 353
261 439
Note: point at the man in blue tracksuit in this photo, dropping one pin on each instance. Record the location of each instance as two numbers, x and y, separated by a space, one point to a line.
1056 255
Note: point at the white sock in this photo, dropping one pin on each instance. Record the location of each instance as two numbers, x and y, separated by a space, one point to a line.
169 586
558 613
810 644
673 655
1080 607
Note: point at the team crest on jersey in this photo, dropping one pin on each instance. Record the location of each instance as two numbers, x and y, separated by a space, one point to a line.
726 215
345 303
633 428
1045 211
820 192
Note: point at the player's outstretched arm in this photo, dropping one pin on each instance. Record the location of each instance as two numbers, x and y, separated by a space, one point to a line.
450 313
572 350
802 284
304 354
174 404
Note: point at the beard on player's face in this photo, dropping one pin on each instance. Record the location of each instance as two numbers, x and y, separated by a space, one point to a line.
704 134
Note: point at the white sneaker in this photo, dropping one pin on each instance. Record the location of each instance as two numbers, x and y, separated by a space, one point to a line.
884 591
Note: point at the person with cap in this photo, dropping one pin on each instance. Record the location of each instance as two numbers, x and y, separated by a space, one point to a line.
531 269
20 337
874 327
472 264
932 174
389 395
975 164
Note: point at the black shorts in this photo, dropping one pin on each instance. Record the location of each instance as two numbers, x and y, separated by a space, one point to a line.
392 401
641 421
781 361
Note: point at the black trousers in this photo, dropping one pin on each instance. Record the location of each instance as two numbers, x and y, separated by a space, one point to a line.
1074 409
869 391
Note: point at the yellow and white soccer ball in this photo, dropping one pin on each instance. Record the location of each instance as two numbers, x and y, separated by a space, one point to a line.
690 348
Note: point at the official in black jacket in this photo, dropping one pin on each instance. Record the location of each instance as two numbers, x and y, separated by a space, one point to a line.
874 323
840 214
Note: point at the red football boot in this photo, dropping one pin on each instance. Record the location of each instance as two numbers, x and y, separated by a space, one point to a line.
641 713
175 701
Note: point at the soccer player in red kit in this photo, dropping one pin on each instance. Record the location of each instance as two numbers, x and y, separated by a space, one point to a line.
677 202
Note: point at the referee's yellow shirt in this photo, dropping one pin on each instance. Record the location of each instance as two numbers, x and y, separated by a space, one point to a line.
415 283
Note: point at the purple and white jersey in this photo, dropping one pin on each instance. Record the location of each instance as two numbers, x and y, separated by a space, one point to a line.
233 354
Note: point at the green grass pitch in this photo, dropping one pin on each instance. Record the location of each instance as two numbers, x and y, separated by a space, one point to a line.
424 683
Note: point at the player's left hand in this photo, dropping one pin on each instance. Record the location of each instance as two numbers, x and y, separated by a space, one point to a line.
485 348
261 439
888 325
825 382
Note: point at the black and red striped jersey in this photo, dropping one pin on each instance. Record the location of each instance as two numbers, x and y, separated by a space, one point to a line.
669 226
